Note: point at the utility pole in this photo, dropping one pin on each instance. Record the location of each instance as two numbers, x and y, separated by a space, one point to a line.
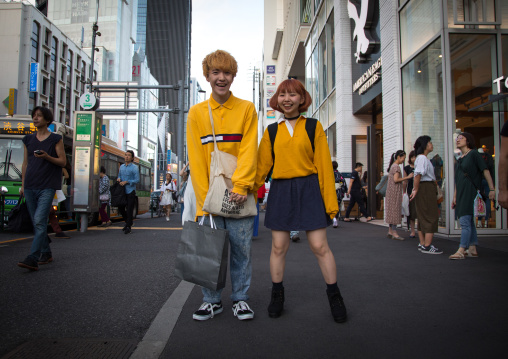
95 33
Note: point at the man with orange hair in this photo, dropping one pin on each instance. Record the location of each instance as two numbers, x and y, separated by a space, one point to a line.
235 125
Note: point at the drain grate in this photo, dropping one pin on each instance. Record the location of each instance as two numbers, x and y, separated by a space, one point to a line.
74 348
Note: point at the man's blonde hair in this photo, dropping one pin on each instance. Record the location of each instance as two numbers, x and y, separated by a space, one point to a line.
221 60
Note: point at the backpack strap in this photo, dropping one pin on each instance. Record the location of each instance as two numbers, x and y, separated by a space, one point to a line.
272 132
310 127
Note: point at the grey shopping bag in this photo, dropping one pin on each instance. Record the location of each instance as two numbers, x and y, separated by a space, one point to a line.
202 256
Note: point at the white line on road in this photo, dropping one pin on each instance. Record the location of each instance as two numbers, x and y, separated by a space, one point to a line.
160 330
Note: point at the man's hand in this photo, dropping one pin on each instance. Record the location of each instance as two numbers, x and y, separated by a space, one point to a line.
413 194
123 183
454 203
492 195
502 198
238 198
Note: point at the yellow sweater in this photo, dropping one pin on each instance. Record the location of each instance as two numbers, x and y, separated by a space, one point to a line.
294 158
236 132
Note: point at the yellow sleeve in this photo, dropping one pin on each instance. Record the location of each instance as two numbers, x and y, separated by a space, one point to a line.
265 160
245 173
323 163
197 161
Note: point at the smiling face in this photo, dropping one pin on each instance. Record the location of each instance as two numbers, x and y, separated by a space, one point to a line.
289 103
220 81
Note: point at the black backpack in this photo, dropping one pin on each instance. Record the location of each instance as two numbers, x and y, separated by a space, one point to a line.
310 127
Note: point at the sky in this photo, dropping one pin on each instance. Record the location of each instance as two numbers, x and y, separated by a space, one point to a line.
235 26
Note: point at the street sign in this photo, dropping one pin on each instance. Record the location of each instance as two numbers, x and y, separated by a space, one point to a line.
87 101
34 76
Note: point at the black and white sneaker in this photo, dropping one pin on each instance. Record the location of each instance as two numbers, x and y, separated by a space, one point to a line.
431 250
242 311
421 247
207 311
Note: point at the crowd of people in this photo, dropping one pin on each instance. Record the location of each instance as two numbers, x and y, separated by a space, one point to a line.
305 194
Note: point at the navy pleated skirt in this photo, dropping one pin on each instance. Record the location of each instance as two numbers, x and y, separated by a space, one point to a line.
296 205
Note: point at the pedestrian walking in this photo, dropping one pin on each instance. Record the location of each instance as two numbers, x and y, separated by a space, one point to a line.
410 169
167 190
469 169
235 123
302 193
340 190
260 198
355 195
128 177
394 190
184 174
44 157
425 195
104 198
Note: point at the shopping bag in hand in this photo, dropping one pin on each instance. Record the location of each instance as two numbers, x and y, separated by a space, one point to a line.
202 256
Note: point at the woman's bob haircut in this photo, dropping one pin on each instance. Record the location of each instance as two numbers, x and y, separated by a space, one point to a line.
291 86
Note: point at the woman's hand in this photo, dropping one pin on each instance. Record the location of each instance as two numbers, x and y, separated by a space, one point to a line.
238 198
413 194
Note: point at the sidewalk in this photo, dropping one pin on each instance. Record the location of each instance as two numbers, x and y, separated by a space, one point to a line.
105 287
401 304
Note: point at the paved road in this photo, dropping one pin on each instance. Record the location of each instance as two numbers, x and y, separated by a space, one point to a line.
401 303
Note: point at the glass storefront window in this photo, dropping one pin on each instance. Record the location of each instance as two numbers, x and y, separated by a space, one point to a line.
331 136
315 77
330 41
306 11
504 51
323 115
331 109
308 84
422 103
322 68
473 66
419 22
467 13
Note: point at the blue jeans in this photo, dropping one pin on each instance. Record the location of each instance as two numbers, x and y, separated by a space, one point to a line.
240 261
39 203
468 236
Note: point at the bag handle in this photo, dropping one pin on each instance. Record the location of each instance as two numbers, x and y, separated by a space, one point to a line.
213 130
212 222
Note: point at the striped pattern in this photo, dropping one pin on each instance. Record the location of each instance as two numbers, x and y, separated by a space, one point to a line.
221 138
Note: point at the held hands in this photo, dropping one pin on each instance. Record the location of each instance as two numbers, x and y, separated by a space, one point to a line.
238 198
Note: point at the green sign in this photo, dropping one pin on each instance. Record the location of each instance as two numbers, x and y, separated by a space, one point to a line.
84 127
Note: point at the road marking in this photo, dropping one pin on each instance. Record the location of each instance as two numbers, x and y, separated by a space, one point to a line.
153 343
15 240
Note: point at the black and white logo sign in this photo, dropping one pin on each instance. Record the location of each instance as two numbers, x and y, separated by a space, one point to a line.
363 22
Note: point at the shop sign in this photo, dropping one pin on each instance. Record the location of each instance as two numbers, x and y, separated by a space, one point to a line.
365 43
270 69
13 101
369 78
270 80
34 76
499 82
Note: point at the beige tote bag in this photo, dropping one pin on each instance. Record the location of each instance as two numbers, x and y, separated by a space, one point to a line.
222 167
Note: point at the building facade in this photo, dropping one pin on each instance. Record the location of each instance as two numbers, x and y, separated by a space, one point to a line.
30 37
384 72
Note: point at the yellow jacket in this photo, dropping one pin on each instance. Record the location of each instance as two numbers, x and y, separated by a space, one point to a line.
236 132
294 158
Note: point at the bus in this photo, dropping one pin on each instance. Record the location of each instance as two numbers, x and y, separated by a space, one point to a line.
12 131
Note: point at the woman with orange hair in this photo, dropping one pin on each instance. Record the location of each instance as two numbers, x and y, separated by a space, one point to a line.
302 193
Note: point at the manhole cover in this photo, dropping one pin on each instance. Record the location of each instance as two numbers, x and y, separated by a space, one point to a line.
74 348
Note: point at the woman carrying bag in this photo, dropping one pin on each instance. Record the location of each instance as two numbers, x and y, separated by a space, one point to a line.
468 179
302 193
167 190
393 200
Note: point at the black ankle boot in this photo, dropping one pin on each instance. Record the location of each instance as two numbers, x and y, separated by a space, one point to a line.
337 306
277 303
